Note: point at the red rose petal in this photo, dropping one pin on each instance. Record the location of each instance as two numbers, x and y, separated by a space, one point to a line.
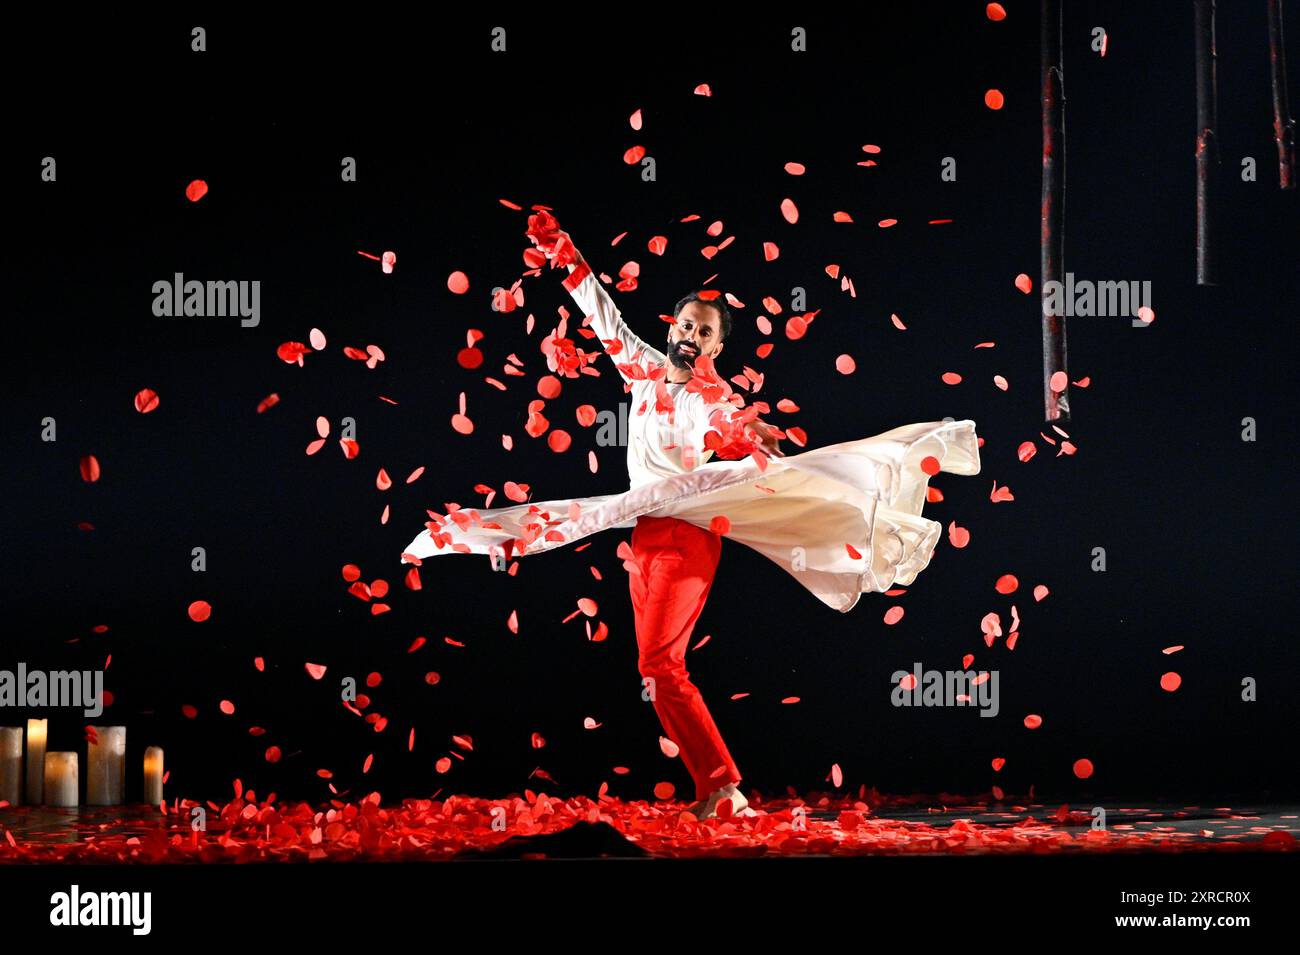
146 400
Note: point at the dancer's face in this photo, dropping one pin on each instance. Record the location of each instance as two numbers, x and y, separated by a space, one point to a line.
698 331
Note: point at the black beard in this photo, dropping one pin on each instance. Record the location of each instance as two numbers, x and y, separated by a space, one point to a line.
678 359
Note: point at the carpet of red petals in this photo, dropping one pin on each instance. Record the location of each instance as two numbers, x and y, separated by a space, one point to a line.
438 829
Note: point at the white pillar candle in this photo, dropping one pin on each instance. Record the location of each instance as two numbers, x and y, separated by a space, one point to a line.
106 767
36 761
11 764
153 775
60 779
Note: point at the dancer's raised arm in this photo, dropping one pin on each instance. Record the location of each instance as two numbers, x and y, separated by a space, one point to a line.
606 321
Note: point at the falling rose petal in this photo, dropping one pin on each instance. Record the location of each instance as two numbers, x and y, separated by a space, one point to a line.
548 386
200 610
958 536
668 747
994 99
845 364
1007 584
415 475
350 448
273 754
841 217
1058 381
442 765
383 481
1170 681
893 615
315 670
720 525
1040 592
462 424
1000 382
291 353
90 469
587 606
635 120
1146 314
513 621
146 400
1174 649
1000 494
1024 283
837 776
995 12
930 465
1026 450
458 283
898 322
227 707
664 791
795 168
270 401
790 211
317 339
189 711
908 682
703 90
1033 721
586 415
389 260
852 551
771 252
634 155
790 699
795 327
469 358
658 244
998 763
1083 768
558 440
196 190
886 223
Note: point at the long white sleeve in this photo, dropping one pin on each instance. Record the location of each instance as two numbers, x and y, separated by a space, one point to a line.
606 321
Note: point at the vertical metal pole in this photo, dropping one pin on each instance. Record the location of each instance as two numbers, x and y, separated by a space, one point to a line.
1283 125
1056 404
1207 143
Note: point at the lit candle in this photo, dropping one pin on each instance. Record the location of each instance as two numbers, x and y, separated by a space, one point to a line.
60 779
36 761
153 775
11 764
106 766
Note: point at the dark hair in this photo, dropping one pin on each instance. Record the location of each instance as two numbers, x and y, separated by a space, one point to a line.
724 313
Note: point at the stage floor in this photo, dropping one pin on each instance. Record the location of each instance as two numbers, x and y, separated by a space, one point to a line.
539 826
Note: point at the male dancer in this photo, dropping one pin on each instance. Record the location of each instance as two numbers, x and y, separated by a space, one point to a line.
677 559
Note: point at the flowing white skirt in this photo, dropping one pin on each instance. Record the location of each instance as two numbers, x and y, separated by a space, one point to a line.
800 512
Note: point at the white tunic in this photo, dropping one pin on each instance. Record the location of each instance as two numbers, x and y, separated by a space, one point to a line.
800 512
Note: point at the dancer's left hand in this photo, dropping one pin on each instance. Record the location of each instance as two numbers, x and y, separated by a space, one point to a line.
768 439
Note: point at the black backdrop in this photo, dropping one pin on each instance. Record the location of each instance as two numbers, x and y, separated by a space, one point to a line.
1196 523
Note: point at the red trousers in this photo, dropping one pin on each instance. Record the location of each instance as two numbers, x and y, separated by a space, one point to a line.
678 561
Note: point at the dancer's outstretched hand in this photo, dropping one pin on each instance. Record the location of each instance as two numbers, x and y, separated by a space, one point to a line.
767 438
